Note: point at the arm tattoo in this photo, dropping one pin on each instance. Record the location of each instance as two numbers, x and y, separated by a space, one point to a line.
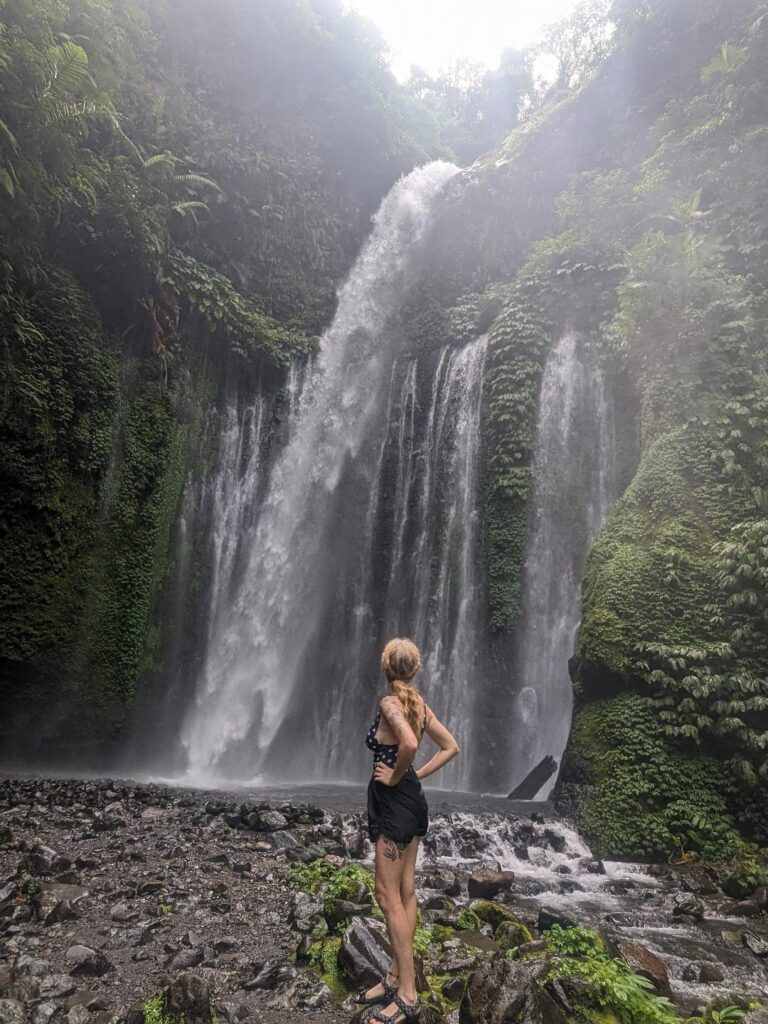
393 712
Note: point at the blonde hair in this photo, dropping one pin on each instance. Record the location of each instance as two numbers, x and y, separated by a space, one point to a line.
400 661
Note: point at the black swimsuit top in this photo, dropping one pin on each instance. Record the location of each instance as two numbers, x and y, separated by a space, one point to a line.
385 752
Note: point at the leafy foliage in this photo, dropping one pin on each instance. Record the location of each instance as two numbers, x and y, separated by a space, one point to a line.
606 983
648 800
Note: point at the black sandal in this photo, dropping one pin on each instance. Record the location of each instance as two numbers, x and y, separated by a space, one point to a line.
387 996
404 1013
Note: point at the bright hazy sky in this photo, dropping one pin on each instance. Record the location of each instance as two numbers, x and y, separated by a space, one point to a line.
435 33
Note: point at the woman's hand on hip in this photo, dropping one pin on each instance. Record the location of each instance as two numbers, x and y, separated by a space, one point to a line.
383 774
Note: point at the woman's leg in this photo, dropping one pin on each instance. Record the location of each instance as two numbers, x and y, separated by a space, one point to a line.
408 885
391 861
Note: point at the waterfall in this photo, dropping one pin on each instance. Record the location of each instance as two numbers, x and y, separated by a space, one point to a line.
574 487
265 620
417 571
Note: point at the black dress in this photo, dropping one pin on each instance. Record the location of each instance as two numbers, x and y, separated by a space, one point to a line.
396 812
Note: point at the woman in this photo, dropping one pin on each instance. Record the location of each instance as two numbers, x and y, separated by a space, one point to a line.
397 818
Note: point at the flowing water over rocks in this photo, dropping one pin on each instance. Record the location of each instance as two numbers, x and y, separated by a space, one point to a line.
575 486
112 891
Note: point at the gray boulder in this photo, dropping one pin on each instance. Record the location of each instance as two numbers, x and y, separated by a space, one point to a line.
365 953
12 1012
504 990
189 996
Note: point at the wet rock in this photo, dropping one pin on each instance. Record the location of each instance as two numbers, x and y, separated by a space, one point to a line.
536 948
83 960
703 972
89 999
124 913
755 944
42 860
44 1012
744 908
78 1015
698 879
188 958
365 953
554 840
486 883
647 964
151 885
444 881
688 905
535 779
549 918
266 821
58 902
56 986
190 996
7 891
306 913
268 975
12 1012
32 966
339 911
477 940
301 991
508 930
510 990
739 885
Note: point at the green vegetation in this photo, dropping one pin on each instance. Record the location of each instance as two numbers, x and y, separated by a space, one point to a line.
324 960
602 983
156 1011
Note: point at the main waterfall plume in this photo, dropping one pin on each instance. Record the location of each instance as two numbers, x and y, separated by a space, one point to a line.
257 652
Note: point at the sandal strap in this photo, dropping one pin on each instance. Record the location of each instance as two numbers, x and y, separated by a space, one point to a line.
412 1011
388 1018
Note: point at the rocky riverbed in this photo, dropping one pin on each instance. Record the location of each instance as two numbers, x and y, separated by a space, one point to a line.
113 894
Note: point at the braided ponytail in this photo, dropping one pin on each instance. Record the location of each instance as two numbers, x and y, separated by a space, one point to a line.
400 661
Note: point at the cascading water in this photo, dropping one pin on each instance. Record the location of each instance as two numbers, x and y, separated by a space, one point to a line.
420 567
262 634
575 485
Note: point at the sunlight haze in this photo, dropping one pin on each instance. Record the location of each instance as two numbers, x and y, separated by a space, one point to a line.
434 35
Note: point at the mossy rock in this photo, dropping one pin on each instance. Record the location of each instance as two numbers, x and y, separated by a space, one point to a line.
468 920
511 934
508 930
442 933
324 960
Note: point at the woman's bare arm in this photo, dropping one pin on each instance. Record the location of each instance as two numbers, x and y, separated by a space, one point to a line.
392 710
449 748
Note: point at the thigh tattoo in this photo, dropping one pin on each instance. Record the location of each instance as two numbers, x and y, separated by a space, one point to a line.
394 851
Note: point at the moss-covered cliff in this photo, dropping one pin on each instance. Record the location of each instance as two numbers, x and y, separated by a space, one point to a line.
633 211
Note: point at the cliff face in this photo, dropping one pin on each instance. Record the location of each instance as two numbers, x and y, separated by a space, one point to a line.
634 214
